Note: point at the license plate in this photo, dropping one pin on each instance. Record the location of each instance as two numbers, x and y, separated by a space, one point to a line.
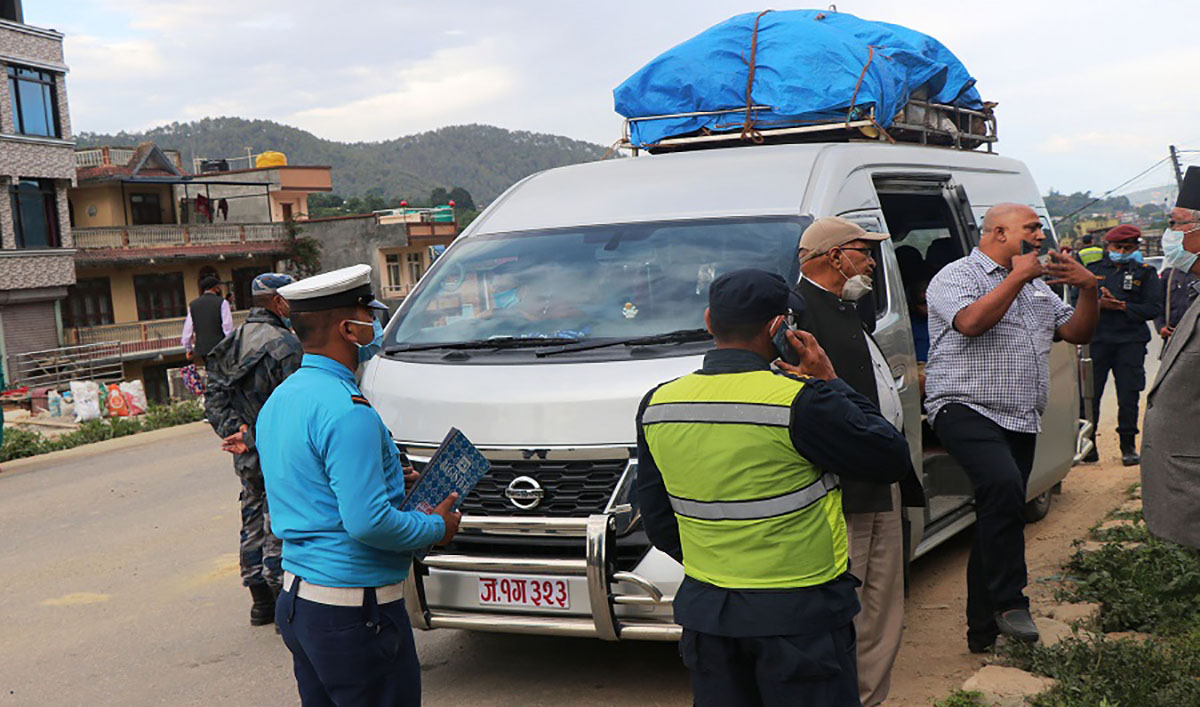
524 591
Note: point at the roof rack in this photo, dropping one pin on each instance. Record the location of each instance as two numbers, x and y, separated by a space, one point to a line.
918 122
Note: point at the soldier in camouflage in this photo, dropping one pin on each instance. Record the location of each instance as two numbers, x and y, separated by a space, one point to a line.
243 370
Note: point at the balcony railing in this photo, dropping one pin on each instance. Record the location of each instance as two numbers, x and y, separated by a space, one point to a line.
167 235
120 156
137 337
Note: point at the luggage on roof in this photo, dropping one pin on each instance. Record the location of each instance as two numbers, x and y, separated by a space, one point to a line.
803 74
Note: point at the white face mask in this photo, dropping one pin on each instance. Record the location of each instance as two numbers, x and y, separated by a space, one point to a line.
1174 256
856 287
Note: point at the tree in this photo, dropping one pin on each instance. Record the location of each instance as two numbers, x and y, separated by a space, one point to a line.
462 199
439 197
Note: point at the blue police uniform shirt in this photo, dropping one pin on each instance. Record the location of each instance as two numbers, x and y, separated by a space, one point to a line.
335 482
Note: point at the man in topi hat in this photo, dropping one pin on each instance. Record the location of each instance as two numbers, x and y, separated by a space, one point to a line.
1171 447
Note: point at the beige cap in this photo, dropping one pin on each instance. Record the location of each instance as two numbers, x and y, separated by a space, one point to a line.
831 232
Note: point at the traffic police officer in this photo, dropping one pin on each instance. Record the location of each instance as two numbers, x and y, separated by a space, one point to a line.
335 483
737 479
1130 296
243 370
1089 253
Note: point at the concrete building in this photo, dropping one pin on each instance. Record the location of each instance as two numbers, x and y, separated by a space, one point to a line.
36 169
399 245
260 194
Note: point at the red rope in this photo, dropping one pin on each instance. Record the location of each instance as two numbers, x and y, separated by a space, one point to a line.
748 130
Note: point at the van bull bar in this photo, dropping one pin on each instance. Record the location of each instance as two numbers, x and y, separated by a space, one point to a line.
598 530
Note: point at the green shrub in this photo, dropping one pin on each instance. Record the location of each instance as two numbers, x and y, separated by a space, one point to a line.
159 416
1154 588
1135 533
962 698
1157 673
21 443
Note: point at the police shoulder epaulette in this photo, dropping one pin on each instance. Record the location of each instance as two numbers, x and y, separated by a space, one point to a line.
360 400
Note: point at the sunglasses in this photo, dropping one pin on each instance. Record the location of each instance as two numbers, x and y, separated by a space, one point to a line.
1173 222
860 250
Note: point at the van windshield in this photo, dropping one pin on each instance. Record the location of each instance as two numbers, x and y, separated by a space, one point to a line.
589 283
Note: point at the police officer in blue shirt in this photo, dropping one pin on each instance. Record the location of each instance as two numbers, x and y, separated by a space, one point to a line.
335 483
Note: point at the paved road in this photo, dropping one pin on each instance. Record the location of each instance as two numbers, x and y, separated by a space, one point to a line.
119 585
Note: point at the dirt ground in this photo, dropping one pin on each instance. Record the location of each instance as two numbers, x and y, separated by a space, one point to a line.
934 660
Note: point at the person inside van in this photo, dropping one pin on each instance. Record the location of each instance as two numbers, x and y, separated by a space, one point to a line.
992 321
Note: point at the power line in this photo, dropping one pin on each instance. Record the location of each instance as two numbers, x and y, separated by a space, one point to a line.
1106 194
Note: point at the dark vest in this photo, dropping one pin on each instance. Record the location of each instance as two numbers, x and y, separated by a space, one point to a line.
206 322
837 327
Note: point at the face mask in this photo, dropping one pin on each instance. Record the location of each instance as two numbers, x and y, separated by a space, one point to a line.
287 322
1174 256
369 350
1132 256
856 287
505 299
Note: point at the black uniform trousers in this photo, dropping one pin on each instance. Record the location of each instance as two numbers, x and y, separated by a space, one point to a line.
1127 361
998 462
350 656
817 670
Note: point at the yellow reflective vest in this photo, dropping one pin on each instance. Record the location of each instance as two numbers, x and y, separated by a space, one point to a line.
752 512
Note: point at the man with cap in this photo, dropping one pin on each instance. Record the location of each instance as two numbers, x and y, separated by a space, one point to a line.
243 371
837 265
992 321
738 479
1130 296
1171 447
209 320
335 484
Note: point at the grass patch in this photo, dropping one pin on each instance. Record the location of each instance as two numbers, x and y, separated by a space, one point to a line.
1136 533
962 698
1157 673
19 443
1154 588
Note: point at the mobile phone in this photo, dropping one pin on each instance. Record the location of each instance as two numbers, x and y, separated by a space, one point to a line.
1043 251
782 347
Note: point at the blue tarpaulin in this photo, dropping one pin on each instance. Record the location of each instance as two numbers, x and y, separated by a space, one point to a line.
807 67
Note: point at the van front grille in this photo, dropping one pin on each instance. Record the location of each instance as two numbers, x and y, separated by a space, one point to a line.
571 489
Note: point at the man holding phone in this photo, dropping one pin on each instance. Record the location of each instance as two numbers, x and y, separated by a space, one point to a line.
992 321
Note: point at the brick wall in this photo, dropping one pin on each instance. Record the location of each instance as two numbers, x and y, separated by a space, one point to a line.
32 43
27 327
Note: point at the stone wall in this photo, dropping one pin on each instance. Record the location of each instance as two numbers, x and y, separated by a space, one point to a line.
354 240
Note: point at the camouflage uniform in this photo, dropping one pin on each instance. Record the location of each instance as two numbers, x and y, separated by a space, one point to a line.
243 370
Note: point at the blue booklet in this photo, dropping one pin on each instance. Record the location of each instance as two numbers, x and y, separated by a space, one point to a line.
456 466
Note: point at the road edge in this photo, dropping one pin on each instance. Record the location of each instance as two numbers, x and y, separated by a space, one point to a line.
27 464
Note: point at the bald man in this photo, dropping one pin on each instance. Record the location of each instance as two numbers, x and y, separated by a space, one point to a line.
992 320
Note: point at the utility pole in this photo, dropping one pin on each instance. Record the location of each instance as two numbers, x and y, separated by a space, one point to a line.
1178 169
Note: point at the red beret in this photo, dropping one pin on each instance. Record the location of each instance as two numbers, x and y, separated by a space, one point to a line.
1124 232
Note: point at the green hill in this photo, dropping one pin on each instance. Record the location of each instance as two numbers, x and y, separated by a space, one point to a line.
484 159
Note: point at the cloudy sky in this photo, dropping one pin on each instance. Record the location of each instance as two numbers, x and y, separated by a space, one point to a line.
1090 93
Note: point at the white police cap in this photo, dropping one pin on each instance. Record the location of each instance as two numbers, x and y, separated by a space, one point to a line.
345 287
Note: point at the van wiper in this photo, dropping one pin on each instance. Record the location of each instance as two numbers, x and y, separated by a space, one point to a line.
499 342
672 337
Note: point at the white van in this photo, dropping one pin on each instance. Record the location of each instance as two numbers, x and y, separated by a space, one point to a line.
543 325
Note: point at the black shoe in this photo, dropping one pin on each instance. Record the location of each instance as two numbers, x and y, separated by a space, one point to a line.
262 611
1017 624
981 644
1129 455
1092 456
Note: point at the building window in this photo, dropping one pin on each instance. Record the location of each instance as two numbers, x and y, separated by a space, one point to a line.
89 303
159 296
34 104
415 267
35 213
394 279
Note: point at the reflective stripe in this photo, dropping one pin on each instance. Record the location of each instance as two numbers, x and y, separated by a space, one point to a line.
742 413
762 508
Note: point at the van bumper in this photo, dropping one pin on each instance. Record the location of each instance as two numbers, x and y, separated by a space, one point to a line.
605 589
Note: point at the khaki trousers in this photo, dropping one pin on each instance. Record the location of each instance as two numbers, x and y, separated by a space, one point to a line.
877 559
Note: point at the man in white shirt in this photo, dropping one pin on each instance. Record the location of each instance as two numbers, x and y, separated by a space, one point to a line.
209 320
837 262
